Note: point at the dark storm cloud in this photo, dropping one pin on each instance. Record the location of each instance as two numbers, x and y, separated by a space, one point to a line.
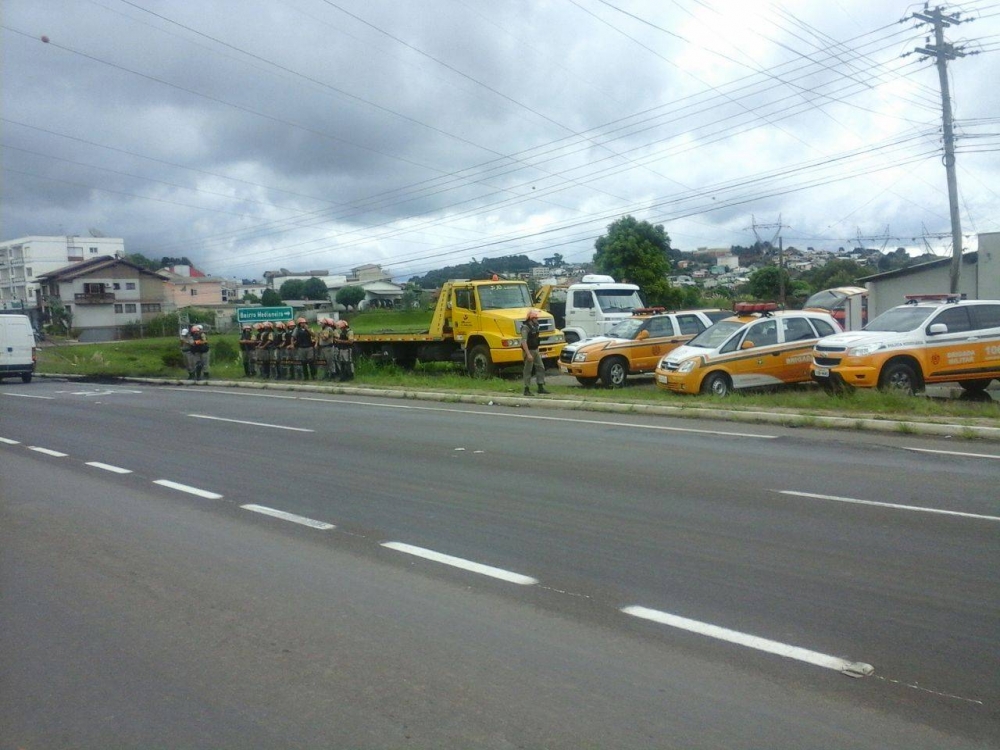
261 134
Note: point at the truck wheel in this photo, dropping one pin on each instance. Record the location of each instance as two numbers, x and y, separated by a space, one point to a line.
480 363
587 382
26 377
613 372
717 384
900 377
975 386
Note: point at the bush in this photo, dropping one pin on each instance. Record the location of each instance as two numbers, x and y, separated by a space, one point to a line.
223 350
174 359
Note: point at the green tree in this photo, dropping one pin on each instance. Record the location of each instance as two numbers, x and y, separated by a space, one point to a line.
250 297
270 298
637 252
292 289
350 296
315 289
765 284
554 261
840 272
142 261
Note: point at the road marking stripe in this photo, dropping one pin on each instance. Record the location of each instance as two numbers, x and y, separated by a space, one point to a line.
952 453
896 506
253 424
603 423
486 570
47 452
109 467
289 517
8 441
26 395
850 668
190 490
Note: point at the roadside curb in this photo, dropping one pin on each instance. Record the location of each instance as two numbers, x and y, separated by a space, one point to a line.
908 427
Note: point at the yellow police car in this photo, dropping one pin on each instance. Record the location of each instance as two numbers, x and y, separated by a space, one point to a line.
930 339
759 346
633 346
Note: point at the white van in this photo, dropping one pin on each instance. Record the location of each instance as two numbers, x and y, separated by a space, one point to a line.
17 347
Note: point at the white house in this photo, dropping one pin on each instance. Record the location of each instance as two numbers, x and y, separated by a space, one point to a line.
23 260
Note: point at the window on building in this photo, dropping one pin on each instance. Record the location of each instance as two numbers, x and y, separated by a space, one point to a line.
93 251
151 307
130 307
117 286
130 285
118 308
194 292
28 271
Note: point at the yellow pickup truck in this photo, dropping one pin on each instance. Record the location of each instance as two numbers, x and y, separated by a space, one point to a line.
476 323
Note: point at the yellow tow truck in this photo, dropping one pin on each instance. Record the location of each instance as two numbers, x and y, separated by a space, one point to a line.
476 323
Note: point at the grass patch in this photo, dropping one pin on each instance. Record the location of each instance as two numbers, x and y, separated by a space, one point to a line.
160 357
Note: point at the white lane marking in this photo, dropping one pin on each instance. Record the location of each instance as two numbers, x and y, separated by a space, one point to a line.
185 488
102 393
486 570
8 441
895 506
252 424
26 395
47 452
289 517
603 423
952 453
850 668
109 467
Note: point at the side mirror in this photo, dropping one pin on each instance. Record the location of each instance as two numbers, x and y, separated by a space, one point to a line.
748 344
937 328
642 335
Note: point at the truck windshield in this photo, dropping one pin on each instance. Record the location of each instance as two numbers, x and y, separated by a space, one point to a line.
504 296
715 336
900 319
618 300
626 329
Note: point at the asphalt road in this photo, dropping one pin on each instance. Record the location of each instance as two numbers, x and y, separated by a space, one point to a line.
627 581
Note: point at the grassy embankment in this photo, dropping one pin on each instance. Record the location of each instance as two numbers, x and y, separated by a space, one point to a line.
160 357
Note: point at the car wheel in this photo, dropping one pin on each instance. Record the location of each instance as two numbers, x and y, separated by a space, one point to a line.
613 372
480 363
975 386
25 377
717 384
587 382
900 377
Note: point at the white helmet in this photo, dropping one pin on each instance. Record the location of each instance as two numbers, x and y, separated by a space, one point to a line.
184 332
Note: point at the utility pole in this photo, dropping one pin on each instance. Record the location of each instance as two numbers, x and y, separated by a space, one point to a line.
781 250
942 52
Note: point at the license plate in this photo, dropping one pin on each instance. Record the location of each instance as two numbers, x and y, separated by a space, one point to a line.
821 372
661 379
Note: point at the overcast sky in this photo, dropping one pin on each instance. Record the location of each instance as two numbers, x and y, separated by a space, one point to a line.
252 135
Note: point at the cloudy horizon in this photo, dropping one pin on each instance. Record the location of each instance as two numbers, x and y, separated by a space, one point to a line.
313 134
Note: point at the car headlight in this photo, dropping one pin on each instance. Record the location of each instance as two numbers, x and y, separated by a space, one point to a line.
687 365
864 350
580 357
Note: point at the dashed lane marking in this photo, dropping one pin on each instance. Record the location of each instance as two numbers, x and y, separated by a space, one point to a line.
289 517
850 668
457 562
190 490
47 451
109 467
28 395
894 506
8 441
252 424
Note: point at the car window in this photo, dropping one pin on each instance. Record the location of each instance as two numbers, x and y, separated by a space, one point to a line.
822 327
985 316
464 299
956 318
797 329
661 327
583 300
690 324
764 333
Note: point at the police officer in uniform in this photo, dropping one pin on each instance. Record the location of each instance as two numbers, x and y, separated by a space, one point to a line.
246 349
326 348
265 349
344 343
305 349
198 344
533 363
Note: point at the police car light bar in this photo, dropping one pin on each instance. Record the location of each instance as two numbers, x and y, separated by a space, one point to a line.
913 299
754 307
